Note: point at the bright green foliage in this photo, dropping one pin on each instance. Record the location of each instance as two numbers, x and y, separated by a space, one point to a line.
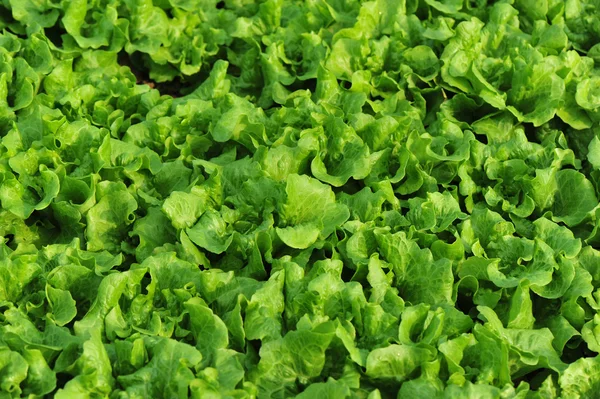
300 198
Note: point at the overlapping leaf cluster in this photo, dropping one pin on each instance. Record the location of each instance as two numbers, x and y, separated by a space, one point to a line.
346 199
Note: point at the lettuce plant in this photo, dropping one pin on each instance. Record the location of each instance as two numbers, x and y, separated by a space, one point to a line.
311 199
